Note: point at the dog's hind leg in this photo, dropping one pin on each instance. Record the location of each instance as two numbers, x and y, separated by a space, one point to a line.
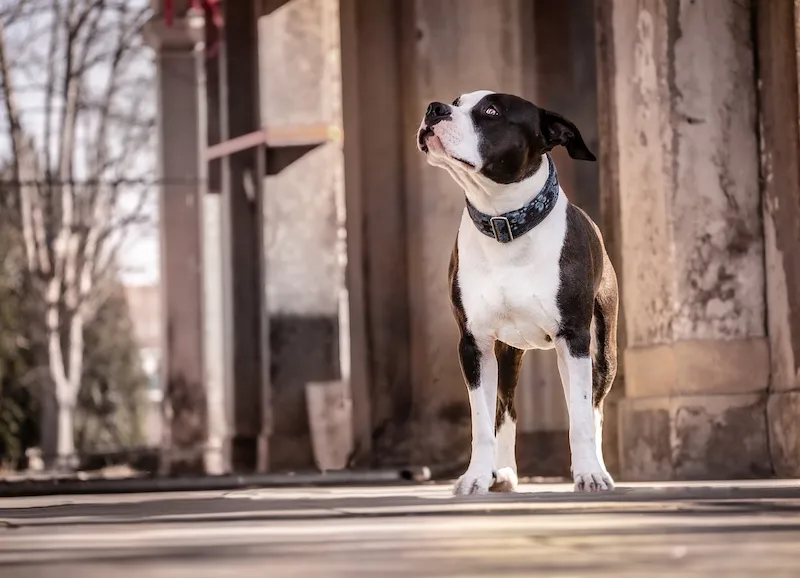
604 349
509 360
575 367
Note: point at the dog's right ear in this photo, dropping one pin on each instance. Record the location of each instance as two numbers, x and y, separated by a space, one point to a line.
558 130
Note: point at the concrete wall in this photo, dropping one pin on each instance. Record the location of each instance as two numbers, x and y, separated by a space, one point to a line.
300 85
697 358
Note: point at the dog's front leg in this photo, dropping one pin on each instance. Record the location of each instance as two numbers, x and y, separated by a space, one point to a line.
479 365
575 368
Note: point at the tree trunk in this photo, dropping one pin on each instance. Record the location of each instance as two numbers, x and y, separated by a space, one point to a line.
66 436
66 381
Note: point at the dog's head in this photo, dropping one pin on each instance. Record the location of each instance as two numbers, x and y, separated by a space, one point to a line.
499 136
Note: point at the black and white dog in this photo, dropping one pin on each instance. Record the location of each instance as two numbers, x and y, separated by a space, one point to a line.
528 271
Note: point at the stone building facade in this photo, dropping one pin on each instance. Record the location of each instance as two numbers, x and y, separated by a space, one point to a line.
693 110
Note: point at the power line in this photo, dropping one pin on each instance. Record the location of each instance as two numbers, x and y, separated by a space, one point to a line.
101 182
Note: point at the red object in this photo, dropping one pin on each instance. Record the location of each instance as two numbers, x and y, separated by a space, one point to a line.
212 6
209 7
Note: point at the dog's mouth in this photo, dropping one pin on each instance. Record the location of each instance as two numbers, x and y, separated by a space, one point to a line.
428 141
467 164
422 138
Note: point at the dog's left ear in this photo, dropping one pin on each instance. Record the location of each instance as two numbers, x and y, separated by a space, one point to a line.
557 130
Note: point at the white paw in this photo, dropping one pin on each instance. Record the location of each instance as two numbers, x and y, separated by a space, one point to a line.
474 482
594 479
505 480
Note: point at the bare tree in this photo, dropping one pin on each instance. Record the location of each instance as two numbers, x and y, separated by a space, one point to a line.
74 78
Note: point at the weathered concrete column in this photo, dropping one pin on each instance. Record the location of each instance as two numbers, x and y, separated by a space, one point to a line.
697 358
181 247
377 251
778 52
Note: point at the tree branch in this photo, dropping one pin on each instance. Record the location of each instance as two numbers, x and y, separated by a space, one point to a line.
25 170
50 87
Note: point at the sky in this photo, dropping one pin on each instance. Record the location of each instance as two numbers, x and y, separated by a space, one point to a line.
139 256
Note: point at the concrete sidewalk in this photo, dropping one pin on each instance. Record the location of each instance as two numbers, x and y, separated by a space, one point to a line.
745 529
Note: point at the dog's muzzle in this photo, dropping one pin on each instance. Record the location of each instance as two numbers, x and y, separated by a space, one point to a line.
435 113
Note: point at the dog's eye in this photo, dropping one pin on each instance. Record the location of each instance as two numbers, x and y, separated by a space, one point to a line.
457 101
492 111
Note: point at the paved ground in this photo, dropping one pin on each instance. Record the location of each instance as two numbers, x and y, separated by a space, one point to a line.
420 531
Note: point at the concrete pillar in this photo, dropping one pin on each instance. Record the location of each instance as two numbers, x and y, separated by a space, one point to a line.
375 195
180 216
697 357
778 36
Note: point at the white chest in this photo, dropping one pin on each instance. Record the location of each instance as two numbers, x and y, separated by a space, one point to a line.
509 292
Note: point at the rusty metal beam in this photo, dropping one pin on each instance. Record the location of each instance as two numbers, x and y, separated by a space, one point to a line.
246 352
275 137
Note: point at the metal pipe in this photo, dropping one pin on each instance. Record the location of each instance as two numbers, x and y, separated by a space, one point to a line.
73 486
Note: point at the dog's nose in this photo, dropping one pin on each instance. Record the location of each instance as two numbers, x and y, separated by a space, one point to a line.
436 111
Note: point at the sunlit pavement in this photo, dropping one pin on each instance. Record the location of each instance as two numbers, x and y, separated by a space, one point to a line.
742 529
